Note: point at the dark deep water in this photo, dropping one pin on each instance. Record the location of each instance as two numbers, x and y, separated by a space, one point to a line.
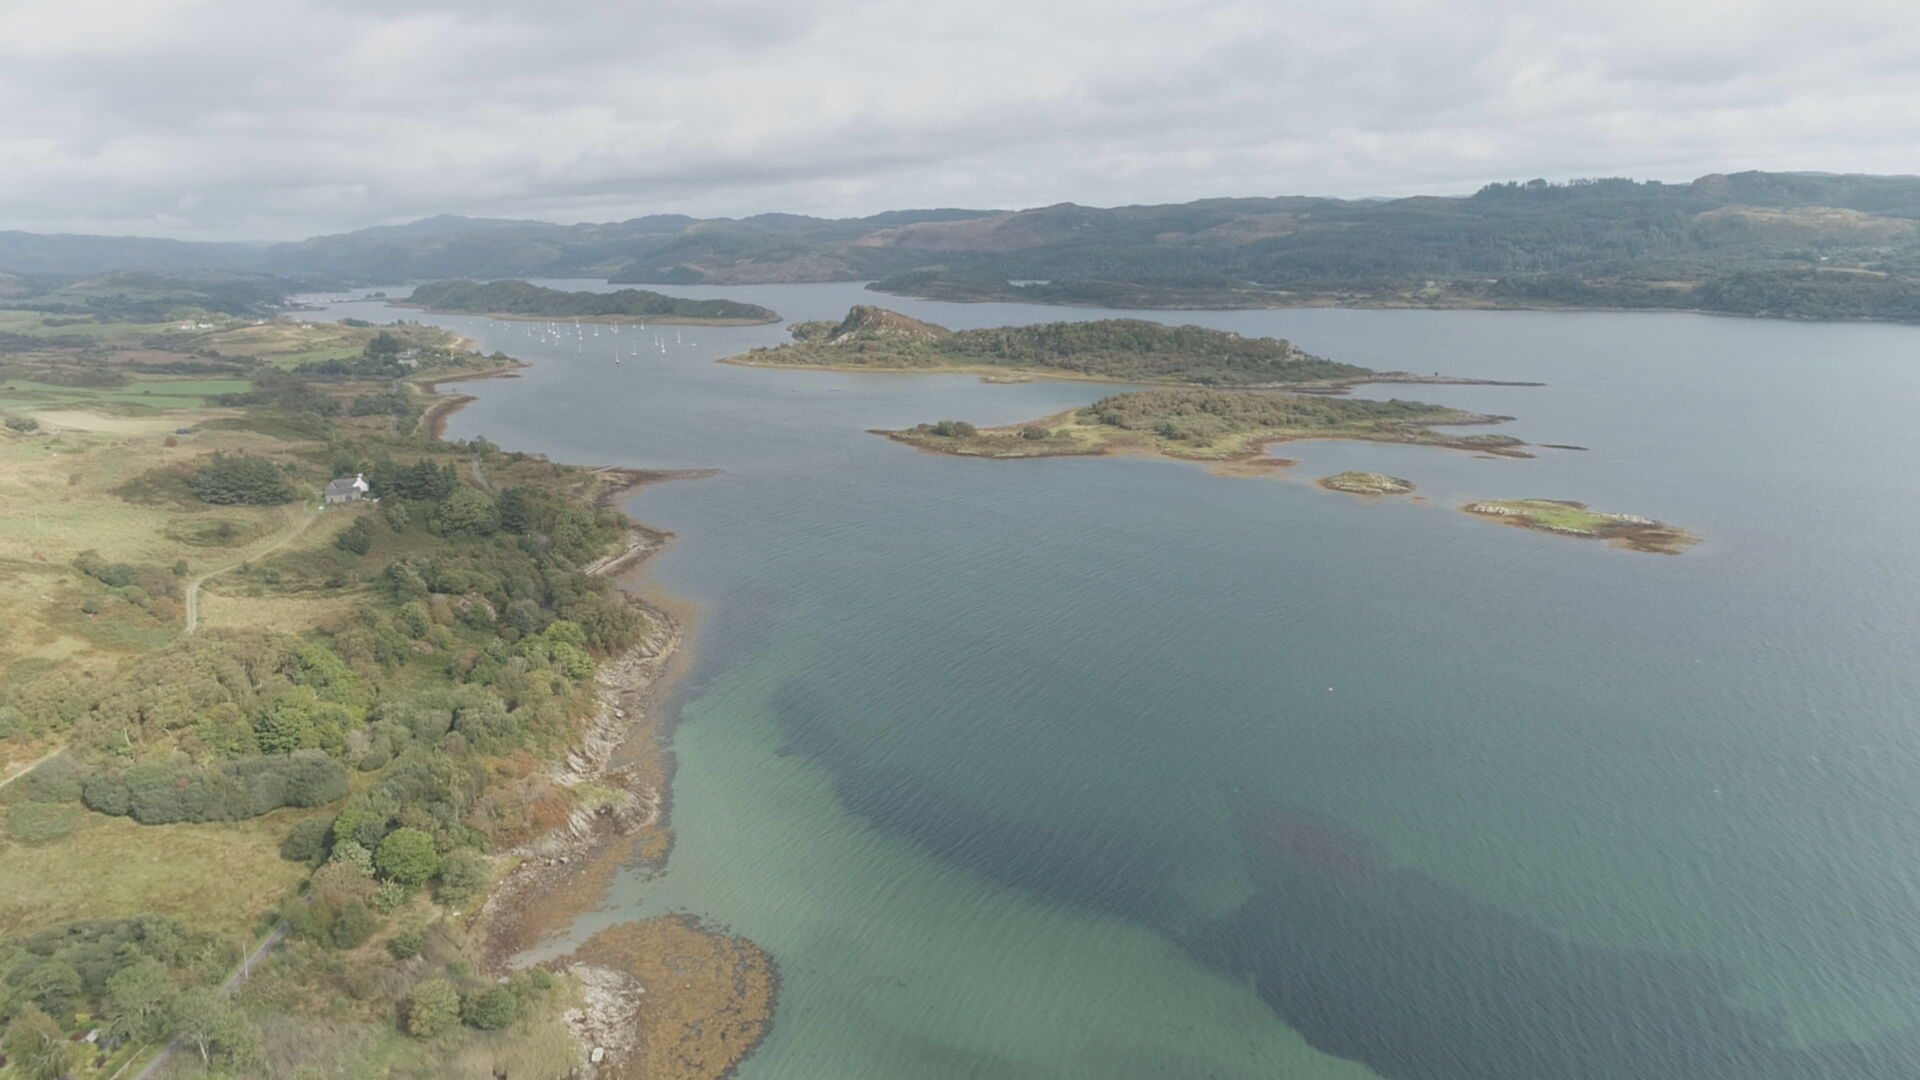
1115 768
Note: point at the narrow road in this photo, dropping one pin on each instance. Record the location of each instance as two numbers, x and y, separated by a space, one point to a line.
275 937
480 476
193 587
31 765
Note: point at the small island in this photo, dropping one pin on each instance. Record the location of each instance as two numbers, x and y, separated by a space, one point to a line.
1221 426
1577 520
1104 350
1366 483
522 300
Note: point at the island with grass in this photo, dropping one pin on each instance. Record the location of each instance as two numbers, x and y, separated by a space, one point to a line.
1565 518
523 300
1366 483
1220 426
1103 350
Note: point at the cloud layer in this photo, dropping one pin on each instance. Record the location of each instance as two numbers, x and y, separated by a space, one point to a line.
274 119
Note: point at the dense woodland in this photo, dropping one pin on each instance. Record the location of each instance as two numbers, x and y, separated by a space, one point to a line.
1120 350
521 298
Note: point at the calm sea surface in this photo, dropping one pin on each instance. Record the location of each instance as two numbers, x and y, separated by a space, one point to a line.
1119 769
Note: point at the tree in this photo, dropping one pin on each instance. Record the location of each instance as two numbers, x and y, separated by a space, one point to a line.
408 856
290 723
142 999
213 1025
404 581
394 510
54 986
351 853
36 1045
466 512
516 511
432 1008
490 1009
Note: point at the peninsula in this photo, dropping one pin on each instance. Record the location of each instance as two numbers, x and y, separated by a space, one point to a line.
1199 424
522 300
1103 350
290 678
1578 520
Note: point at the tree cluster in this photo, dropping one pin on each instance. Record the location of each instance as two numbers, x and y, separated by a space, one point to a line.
242 479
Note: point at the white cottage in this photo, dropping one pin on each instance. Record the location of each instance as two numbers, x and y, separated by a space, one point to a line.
346 490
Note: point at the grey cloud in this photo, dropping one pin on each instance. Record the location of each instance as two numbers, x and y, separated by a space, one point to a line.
281 118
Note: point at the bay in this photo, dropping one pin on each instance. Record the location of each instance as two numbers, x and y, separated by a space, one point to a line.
1118 768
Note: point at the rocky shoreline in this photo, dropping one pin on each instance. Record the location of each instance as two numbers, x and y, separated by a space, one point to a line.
1566 518
665 998
1366 483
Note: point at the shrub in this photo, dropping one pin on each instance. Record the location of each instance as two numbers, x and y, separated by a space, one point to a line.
463 875
954 428
405 945
432 1008
23 424
490 1009
1034 431
356 538
391 896
307 843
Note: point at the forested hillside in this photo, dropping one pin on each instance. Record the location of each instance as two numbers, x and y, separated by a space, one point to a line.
1789 244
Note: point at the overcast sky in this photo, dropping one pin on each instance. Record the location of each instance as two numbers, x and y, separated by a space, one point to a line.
276 119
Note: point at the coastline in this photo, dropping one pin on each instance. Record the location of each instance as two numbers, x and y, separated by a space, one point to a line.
665 998
445 405
1250 457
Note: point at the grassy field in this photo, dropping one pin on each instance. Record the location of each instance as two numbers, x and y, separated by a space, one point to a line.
109 866
1574 519
56 326
1207 425
154 392
287 344
1571 517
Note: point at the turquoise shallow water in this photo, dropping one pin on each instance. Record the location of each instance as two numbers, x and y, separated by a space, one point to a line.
1115 768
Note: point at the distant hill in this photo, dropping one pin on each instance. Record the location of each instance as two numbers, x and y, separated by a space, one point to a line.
1792 244
144 296
78 255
